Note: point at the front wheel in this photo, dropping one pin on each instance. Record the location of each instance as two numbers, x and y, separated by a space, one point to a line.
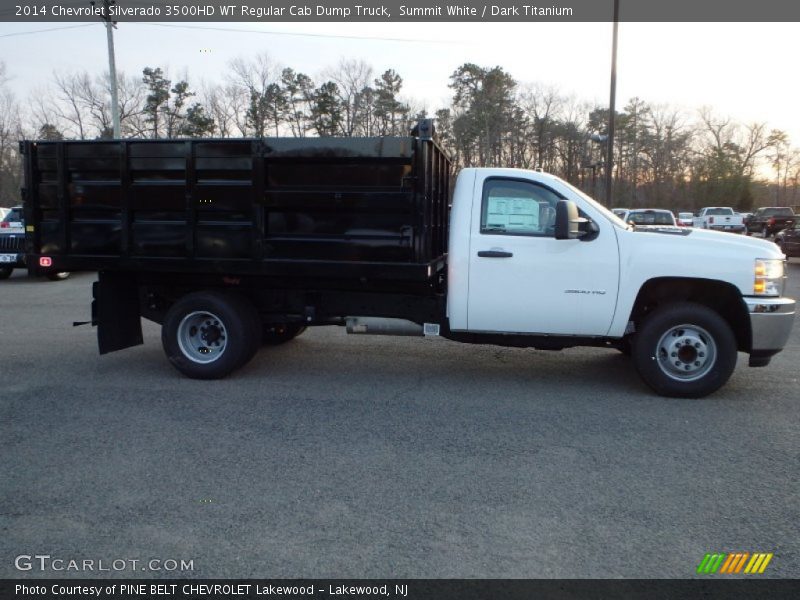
208 335
685 350
5 272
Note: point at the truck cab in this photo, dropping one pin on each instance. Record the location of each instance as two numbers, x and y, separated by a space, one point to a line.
532 256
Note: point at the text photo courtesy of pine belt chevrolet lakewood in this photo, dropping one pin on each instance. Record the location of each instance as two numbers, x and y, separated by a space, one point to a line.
229 244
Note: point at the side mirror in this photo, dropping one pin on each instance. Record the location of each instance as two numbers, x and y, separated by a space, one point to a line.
568 222
589 228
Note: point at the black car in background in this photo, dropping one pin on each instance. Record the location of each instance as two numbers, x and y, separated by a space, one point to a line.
789 240
769 220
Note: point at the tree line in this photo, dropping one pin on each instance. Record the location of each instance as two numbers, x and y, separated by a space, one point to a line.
663 157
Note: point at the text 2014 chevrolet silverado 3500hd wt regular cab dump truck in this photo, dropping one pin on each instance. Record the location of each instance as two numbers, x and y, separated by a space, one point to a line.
229 244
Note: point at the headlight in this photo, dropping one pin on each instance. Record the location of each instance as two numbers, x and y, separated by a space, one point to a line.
769 277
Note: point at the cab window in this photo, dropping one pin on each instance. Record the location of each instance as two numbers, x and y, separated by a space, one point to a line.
513 207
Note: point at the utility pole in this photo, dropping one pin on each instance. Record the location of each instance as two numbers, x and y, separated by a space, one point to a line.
612 107
112 66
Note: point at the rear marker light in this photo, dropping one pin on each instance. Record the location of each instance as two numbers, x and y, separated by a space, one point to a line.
45 261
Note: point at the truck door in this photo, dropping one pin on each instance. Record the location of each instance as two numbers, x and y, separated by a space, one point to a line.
523 280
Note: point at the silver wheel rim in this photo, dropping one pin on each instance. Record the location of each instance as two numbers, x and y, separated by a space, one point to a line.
686 353
202 337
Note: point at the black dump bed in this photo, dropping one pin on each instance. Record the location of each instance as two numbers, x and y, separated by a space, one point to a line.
323 207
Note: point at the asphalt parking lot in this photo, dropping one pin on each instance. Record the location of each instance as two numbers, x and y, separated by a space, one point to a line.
347 456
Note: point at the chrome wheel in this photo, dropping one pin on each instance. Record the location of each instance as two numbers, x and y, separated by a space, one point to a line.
202 337
686 352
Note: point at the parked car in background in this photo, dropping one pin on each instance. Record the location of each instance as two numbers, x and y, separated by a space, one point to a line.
651 216
685 219
788 240
12 242
721 218
12 245
769 220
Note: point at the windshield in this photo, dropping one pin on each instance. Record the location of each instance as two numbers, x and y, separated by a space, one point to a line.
719 211
14 215
778 212
651 217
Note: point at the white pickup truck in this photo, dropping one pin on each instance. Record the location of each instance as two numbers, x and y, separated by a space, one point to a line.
593 277
362 233
721 218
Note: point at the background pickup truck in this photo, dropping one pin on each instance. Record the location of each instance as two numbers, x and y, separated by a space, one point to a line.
12 242
721 218
12 246
769 220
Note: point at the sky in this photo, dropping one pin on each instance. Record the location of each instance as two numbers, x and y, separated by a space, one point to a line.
746 71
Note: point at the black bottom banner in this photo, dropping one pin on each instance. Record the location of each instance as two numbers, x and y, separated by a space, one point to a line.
400 589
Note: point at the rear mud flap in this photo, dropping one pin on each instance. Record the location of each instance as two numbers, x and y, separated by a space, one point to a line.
115 311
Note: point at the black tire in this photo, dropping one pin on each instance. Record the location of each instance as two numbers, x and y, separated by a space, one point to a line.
275 334
686 336
224 326
58 276
5 272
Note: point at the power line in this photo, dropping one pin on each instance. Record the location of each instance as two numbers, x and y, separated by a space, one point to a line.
288 33
4 35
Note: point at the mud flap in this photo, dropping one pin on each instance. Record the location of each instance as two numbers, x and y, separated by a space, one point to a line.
115 311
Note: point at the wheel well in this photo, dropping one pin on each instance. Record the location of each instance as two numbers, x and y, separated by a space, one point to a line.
719 296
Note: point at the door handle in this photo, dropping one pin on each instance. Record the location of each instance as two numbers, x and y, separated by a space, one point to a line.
495 254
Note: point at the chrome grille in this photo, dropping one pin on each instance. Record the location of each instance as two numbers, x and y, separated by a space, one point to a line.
12 243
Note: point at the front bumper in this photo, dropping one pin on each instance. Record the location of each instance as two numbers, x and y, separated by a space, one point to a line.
771 324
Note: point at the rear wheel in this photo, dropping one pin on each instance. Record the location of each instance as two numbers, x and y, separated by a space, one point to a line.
765 232
5 272
208 335
274 334
685 350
